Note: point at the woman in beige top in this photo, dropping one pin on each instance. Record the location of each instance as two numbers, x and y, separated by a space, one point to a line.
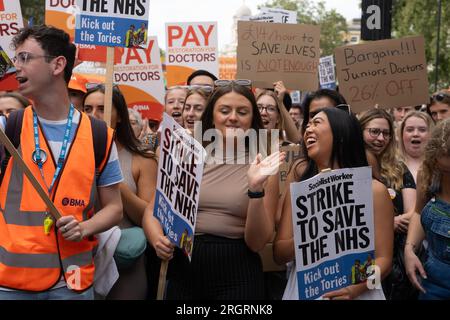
236 212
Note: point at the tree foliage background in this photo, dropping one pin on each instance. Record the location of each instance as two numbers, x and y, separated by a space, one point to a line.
332 24
419 17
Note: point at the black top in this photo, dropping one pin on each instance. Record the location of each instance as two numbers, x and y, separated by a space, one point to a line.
408 183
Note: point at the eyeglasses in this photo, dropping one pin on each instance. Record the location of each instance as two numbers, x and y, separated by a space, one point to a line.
241 82
375 133
344 107
23 57
269 108
206 88
96 85
441 96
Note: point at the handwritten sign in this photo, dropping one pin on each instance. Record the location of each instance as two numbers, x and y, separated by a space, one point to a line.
113 23
293 152
333 222
390 73
268 52
190 46
180 171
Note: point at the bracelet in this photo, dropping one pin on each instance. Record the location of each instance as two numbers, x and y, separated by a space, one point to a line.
255 195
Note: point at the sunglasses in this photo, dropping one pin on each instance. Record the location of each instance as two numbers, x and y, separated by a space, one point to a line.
344 107
96 85
441 96
241 82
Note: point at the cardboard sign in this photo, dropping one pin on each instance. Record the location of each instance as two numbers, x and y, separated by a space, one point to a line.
332 215
180 171
268 52
287 16
141 80
190 46
293 152
390 73
112 23
327 77
10 23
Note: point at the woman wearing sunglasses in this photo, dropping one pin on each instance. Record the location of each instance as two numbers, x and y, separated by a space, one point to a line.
236 210
333 140
378 133
431 220
439 108
139 170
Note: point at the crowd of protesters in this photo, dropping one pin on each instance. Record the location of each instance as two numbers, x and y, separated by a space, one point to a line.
241 210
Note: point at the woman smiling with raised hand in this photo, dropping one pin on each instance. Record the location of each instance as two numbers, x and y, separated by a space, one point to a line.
415 131
378 132
333 139
236 211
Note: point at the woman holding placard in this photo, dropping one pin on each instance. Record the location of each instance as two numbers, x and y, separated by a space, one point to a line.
139 170
378 133
431 219
236 210
333 140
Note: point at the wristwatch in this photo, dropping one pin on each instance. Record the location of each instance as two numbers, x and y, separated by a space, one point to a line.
255 195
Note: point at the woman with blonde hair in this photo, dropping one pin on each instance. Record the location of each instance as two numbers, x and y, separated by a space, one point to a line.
378 133
431 219
194 105
414 132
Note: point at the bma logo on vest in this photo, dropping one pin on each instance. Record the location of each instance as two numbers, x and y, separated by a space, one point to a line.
72 202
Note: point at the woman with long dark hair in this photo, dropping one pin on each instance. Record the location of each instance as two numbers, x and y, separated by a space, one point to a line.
139 169
333 140
236 211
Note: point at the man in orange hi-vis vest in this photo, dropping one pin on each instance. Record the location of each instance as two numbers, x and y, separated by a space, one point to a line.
41 258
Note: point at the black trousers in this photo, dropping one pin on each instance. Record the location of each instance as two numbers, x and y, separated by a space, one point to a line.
221 269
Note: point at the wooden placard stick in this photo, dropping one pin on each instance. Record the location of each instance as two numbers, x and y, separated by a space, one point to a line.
109 85
22 165
162 279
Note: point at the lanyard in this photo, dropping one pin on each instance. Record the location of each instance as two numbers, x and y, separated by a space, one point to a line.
62 154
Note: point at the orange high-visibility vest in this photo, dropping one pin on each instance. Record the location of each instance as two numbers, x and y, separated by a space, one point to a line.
29 259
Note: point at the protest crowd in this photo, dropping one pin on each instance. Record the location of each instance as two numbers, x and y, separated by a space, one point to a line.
110 184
